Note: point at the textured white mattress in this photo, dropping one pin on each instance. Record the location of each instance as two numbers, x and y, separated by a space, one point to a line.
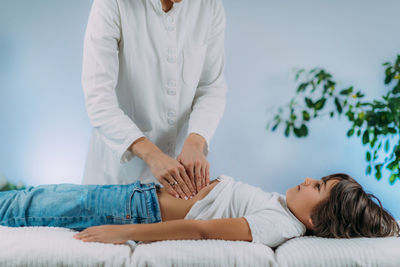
53 246
327 252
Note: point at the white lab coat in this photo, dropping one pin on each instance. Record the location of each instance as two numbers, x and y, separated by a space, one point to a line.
150 73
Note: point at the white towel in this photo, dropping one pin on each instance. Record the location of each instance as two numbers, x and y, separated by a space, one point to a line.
54 246
182 253
330 252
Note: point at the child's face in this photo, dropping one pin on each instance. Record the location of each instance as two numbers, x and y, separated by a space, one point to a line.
302 198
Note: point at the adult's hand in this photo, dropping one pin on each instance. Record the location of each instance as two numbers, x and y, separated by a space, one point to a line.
168 171
194 161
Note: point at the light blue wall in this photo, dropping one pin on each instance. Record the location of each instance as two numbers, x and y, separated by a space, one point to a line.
45 130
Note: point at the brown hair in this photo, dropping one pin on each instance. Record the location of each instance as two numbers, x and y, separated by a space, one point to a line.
351 212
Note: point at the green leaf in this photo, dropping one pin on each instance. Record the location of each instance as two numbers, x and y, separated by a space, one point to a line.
306 115
299 72
378 175
320 103
395 101
309 102
331 114
350 132
359 94
359 132
296 132
300 132
338 105
386 148
375 155
365 137
392 178
392 130
392 165
347 91
274 127
287 130
396 90
302 87
368 170
379 146
303 130
350 115
368 156
389 75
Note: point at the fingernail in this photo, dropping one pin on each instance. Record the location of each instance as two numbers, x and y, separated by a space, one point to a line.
190 197
193 193
186 198
177 196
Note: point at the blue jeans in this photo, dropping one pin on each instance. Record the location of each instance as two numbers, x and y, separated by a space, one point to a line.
80 206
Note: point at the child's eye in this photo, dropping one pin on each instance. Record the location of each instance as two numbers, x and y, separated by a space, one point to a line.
318 186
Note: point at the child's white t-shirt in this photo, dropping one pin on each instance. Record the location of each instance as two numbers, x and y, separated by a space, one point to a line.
271 222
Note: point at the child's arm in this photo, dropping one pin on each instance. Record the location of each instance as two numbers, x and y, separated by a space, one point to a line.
226 229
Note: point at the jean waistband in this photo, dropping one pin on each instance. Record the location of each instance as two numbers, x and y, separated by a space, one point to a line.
149 200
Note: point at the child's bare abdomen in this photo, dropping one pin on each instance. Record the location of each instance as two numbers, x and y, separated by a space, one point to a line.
173 208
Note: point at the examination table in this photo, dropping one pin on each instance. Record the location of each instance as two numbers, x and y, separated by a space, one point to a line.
54 246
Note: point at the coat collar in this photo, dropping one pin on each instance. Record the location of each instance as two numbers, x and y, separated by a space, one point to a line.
158 7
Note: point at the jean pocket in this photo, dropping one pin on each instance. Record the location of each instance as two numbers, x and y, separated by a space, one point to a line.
193 61
136 206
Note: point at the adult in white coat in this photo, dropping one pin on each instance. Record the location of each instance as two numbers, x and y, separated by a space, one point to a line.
154 87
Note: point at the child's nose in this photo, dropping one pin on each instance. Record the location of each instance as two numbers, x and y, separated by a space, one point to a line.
307 181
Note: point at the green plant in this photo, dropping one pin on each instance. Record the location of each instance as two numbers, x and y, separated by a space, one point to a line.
5 185
376 122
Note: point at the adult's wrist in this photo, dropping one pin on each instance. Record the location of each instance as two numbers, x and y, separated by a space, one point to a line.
196 140
144 149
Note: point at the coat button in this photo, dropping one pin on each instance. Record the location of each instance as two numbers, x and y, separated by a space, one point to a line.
171 59
170 28
171 122
171 92
128 216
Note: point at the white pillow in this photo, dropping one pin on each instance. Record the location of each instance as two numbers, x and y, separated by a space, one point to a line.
317 251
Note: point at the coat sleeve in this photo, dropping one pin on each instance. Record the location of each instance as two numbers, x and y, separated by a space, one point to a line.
99 79
210 97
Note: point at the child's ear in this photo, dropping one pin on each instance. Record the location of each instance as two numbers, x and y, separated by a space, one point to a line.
310 222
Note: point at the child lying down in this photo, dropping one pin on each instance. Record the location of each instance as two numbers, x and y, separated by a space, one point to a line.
334 206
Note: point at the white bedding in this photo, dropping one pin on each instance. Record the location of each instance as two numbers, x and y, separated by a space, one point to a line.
53 246
203 253
327 252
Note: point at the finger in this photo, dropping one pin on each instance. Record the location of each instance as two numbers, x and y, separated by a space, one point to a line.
203 174
197 171
187 181
178 192
190 171
88 239
180 187
208 173
166 183
85 235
